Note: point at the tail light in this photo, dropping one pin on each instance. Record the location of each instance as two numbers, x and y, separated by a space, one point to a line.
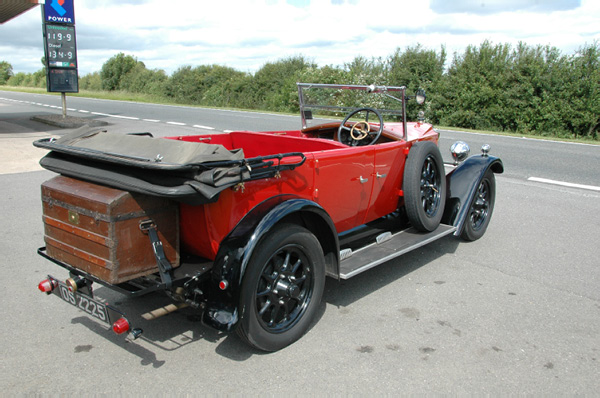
121 326
223 284
47 285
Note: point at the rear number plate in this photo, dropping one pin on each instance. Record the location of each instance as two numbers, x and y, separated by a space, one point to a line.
84 303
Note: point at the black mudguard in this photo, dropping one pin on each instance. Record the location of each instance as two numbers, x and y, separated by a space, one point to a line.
462 183
230 265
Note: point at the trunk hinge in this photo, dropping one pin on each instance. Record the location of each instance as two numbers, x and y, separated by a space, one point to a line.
164 266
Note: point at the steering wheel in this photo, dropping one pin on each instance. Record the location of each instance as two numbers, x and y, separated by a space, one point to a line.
359 133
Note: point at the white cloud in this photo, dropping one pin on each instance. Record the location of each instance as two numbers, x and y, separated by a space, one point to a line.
245 34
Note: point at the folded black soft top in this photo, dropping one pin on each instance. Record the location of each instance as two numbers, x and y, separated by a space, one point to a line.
193 173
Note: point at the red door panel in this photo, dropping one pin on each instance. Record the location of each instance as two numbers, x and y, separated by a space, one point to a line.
387 179
343 184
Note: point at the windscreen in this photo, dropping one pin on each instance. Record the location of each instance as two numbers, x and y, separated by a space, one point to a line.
320 102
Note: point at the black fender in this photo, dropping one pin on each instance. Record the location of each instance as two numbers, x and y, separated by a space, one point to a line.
221 311
462 183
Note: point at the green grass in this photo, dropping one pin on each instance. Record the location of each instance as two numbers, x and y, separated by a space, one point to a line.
145 98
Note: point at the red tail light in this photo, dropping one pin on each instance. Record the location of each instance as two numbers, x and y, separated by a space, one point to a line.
47 285
223 284
121 326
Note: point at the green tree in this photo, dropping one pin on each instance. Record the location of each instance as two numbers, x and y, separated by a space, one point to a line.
585 92
274 85
182 86
419 68
474 93
6 71
91 82
114 70
17 79
142 80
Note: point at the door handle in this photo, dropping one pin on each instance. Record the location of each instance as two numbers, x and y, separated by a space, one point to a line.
380 175
363 180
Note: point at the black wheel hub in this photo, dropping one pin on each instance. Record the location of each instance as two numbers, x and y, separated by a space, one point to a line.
430 187
481 206
284 289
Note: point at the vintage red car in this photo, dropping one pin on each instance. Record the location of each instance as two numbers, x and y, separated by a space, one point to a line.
245 226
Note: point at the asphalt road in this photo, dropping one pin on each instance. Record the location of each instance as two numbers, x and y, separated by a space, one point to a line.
517 312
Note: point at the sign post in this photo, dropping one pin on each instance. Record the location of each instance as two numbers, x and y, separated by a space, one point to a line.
60 48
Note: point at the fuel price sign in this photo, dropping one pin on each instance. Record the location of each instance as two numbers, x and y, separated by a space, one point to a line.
61 50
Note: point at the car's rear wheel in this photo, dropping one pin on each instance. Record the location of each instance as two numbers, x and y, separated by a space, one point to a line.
424 186
482 206
282 288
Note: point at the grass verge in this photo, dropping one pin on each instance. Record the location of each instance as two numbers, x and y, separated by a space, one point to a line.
146 98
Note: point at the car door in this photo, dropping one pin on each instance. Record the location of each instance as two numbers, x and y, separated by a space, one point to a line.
343 184
387 178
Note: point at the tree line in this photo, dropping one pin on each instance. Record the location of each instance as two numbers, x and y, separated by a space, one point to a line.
521 89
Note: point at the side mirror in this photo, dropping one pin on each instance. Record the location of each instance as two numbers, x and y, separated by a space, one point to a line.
420 96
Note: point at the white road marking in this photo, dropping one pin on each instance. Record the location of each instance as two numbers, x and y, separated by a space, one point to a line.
515 138
563 183
125 117
203 127
176 123
83 111
151 120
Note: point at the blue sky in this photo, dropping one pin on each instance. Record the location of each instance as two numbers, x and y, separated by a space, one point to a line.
246 34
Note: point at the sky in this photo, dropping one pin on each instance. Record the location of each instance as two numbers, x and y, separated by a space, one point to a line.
247 34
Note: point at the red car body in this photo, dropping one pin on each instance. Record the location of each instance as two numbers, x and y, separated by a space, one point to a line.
259 231
331 177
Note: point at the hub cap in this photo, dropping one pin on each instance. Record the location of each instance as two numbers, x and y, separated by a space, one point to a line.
481 206
284 289
430 187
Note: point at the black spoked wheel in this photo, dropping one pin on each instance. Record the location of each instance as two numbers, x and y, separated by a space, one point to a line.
424 186
431 182
282 288
481 208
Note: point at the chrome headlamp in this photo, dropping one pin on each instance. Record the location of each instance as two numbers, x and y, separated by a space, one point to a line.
460 150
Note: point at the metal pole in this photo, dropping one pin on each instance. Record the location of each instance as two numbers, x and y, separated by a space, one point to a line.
64 104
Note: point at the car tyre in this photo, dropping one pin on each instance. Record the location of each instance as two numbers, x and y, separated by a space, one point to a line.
282 288
424 186
482 206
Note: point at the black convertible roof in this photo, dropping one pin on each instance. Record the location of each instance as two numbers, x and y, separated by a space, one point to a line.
193 173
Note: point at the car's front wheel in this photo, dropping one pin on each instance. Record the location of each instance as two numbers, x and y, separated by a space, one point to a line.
282 288
481 208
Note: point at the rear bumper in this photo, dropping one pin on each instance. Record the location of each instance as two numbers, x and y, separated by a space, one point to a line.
79 293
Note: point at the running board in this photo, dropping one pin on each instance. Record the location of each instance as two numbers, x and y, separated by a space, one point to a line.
386 248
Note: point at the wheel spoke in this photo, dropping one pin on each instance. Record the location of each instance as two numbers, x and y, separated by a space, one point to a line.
273 315
300 280
265 307
286 262
264 293
296 266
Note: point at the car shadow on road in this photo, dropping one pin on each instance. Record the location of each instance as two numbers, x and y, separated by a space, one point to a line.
165 334
184 328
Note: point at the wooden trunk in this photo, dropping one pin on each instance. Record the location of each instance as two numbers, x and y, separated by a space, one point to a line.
96 229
